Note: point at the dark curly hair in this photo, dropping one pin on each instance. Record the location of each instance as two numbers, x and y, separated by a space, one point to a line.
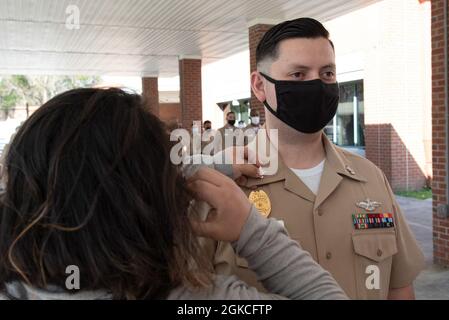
89 183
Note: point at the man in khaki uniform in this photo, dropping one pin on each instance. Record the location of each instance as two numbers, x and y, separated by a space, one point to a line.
229 133
337 205
251 129
207 137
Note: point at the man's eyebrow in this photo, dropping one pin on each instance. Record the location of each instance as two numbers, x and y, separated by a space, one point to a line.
303 67
298 66
330 65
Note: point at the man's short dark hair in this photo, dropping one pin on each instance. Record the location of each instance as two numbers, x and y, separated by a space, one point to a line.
298 28
207 122
254 113
230 112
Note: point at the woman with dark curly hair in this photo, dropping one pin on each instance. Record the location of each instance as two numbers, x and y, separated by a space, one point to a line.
89 183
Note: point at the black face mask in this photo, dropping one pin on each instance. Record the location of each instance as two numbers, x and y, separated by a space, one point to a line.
231 122
306 106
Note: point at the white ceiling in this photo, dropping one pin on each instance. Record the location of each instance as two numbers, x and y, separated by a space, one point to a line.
138 37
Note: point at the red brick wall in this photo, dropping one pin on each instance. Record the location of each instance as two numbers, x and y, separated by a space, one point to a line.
397 99
190 91
439 118
378 146
150 92
170 112
256 33
385 148
406 173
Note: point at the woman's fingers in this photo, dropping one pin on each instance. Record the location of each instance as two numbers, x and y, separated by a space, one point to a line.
245 170
204 191
202 229
230 205
251 156
205 228
209 175
241 181
249 170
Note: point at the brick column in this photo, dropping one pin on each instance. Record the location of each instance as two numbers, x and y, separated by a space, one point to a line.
385 148
190 91
397 119
439 120
256 33
378 147
150 92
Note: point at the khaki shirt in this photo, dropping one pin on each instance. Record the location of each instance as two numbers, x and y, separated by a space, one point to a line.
223 133
250 132
199 143
207 139
323 225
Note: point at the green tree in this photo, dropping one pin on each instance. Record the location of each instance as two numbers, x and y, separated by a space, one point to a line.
8 98
36 90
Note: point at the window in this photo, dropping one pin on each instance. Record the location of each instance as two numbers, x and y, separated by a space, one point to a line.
347 127
241 110
240 107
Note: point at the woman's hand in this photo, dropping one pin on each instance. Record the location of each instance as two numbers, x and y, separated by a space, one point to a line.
244 163
230 206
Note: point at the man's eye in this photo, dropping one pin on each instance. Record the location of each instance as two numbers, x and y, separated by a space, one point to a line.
297 75
328 75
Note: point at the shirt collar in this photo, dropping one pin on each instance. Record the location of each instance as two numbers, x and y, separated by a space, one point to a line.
337 166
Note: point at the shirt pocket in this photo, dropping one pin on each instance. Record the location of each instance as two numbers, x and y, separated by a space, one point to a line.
373 257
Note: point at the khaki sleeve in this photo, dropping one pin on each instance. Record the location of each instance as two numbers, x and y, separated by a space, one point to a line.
224 258
409 261
218 141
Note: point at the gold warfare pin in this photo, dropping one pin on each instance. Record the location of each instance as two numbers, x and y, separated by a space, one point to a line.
261 201
368 205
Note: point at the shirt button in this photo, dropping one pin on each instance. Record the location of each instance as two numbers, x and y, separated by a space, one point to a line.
328 256
349 169
320 212
379 253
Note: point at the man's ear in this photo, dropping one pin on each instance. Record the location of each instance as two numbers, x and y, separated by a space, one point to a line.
257 86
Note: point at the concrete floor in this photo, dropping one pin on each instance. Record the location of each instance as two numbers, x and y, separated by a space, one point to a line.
433 282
